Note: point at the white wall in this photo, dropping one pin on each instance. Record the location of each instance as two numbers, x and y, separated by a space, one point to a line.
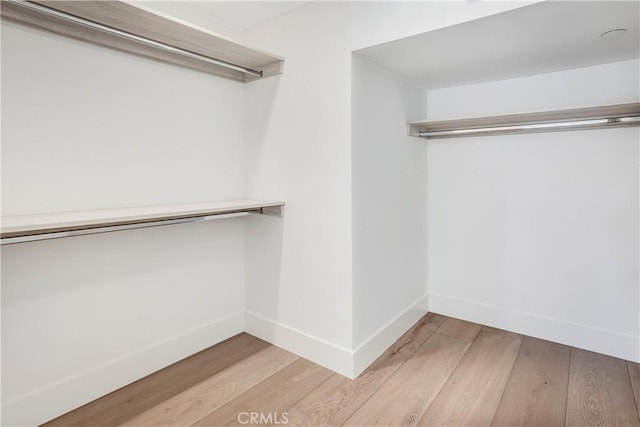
299 150
538 233
85 128
389 193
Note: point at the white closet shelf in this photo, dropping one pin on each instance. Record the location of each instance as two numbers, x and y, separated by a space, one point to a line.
606 116
23 228
141 31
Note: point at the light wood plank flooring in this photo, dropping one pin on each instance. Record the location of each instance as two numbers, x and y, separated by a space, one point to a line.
442 372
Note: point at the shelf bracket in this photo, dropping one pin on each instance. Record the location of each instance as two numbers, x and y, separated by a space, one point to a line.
273 210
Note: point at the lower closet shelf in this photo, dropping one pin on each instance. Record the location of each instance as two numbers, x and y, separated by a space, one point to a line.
26 228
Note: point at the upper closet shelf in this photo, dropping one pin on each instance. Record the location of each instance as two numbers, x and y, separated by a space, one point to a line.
144 32
25 228
607 116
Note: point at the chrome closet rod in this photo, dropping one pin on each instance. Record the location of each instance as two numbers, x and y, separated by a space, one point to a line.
111 228
105 28
533 127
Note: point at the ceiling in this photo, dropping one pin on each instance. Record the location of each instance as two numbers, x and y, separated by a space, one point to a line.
224 16
544 37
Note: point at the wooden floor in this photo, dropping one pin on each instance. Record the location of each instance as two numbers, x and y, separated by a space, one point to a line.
442 372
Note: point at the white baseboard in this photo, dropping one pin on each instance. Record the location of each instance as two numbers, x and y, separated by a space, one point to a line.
58 398
341 360
612 343
331 356
374 346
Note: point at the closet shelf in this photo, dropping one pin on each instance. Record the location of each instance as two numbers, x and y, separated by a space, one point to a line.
25 228
607 116
141 31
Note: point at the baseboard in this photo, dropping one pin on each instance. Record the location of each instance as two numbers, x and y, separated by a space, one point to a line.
612 343
341 360
374 346
331 356
49 402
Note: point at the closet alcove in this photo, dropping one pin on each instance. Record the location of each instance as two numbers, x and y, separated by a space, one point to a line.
506 150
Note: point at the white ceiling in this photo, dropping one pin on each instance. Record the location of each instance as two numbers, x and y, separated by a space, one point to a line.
223 16
541 38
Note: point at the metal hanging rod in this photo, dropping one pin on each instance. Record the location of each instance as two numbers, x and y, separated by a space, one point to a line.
535 127
607 116
126 35
112 228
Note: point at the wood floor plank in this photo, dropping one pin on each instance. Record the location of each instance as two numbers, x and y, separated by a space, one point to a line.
600 392
471 395
272 396
491 330
150 391
404 398
634 374
338 398
536 392
460 329
198 401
